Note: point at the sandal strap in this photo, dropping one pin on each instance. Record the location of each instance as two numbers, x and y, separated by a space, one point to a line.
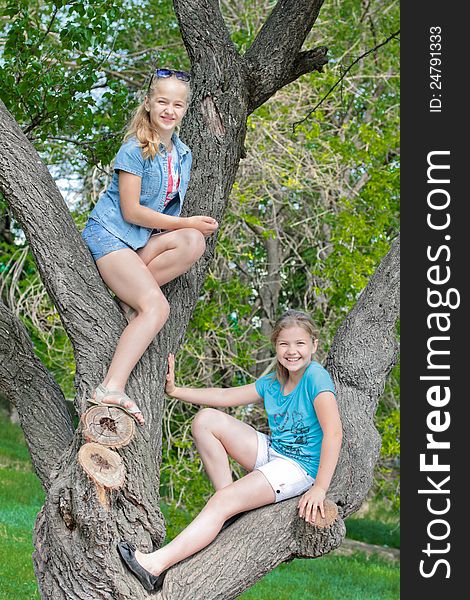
123 398
102 393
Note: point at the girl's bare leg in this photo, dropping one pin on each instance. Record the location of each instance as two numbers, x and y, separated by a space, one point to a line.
134 282
127 276
217 435
247 493
172 253
169 255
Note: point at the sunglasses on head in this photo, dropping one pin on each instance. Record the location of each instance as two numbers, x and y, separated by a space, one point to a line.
164 73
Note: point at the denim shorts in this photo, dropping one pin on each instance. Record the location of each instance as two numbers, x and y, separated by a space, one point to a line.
285 475
100 241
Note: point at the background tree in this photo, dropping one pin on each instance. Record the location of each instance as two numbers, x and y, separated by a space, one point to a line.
235 86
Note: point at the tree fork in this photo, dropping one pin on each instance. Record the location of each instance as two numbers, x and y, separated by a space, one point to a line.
75 536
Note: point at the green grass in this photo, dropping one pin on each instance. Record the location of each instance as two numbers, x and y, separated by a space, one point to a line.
377 523
373 532
352 577
332 577
13 450
21 497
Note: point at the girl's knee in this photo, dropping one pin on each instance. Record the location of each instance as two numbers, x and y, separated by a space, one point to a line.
156 309
220 501
194 243
204 421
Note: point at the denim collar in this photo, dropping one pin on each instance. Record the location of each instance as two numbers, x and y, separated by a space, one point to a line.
180 147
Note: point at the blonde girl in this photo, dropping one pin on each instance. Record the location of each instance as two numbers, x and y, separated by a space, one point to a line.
298 458
135 233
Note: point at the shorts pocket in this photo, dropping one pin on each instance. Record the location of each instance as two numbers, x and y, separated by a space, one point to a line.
287 478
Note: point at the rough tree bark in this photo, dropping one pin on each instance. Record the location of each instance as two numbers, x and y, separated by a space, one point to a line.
75 535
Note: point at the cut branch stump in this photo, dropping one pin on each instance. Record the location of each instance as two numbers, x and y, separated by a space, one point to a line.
108 426
331 514
104 467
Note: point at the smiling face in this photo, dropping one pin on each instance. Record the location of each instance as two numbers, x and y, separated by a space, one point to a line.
167 104
295 348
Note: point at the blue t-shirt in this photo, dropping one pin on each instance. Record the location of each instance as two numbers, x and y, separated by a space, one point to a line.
295 429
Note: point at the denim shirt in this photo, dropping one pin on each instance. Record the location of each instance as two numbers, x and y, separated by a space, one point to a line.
154 174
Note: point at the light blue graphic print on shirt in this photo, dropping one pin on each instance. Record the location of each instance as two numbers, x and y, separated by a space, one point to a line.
295 429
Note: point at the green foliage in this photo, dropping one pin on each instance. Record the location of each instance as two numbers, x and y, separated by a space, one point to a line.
70 72
183 484
389 428
327 192
387 482
22 289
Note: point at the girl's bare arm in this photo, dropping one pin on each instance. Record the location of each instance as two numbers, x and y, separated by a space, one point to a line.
134 212
330 422
215 397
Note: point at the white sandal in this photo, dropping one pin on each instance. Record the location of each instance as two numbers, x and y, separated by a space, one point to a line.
102 392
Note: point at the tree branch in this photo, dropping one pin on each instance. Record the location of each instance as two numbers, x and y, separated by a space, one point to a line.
204 31
87 311
310 113
274 58
251 547
362 355
305 62
27 384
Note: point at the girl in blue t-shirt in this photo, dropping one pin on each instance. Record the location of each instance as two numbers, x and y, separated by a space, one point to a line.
299 457
135 234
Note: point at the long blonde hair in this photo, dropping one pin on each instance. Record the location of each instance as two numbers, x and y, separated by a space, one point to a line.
291 318
141 127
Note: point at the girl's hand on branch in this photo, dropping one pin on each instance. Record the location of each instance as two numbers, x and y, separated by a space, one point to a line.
310 502
170 386
206 225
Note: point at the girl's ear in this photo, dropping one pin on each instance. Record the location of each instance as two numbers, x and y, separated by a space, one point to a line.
315 346
147 103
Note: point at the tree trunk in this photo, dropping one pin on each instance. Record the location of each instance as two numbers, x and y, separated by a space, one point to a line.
77 530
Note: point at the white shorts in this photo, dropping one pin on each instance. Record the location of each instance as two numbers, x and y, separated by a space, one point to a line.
285 475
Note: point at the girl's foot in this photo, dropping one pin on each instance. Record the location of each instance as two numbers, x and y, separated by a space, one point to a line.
149 581
147 563
104 397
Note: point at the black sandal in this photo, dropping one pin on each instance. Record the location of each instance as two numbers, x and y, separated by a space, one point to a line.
149 581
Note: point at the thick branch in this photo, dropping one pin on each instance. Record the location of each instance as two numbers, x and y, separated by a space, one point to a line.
247 550
308 61
274 58
65 264
204 31
45 421
362 355
369 331
305 62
